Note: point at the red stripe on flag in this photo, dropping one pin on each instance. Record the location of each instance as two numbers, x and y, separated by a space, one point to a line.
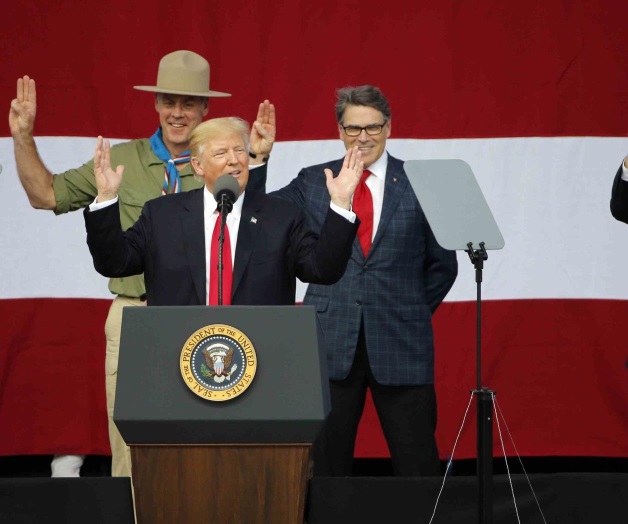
52 382
558 368
450 68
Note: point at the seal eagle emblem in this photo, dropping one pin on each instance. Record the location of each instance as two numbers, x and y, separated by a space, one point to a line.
218 362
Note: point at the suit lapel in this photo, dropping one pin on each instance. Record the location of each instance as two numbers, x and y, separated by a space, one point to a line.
193 231
250 226
395 185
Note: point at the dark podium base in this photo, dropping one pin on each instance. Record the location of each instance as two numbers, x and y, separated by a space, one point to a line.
218 483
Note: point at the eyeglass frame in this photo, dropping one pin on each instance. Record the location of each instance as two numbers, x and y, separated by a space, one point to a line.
365 129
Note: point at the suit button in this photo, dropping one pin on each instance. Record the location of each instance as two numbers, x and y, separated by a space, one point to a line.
365 267
358 301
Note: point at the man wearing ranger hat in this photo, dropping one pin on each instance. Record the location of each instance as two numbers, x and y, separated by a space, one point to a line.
154 166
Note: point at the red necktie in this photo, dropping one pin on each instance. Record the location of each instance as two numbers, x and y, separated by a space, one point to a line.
227 273
363 207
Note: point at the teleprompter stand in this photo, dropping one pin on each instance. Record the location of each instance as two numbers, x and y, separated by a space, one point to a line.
461 220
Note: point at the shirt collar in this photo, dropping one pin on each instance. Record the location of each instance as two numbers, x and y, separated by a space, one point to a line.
378 168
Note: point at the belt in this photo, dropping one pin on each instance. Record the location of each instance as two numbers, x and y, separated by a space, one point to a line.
141 298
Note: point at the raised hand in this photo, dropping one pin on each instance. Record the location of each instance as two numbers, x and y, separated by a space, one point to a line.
342 187
107 180
263 131
23 108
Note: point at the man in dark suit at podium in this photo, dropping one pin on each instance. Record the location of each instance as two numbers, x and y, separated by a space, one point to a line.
174 239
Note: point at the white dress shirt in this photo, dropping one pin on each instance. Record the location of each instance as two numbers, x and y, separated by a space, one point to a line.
210 215
376 183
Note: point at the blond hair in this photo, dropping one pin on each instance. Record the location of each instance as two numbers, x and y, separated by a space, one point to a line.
215 128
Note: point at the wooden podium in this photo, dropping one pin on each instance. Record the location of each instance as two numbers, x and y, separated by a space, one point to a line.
244 460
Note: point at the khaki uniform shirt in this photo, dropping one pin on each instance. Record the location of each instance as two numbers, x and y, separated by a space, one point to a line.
142 180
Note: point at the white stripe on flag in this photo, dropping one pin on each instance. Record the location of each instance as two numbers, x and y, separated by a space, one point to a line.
550 197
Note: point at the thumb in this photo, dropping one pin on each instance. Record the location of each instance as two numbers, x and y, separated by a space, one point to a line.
329 175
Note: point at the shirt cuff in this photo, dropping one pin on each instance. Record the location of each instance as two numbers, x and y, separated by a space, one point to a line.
95 206
349 215
624 171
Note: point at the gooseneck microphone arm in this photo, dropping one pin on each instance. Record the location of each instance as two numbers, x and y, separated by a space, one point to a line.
225 190
224 211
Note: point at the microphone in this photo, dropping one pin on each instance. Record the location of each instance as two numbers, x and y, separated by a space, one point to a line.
225 190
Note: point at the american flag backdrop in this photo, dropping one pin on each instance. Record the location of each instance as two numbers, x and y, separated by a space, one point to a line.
532 94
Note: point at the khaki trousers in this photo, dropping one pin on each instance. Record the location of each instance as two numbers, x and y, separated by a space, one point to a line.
120 454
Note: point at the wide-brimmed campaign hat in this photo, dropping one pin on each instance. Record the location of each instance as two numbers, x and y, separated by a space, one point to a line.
183 73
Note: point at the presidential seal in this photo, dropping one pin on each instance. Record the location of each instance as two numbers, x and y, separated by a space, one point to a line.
218 362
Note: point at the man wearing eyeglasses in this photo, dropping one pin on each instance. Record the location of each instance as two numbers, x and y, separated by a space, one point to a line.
377 318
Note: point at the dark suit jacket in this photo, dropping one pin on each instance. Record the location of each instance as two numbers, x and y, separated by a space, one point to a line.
396 289
619 198
167 243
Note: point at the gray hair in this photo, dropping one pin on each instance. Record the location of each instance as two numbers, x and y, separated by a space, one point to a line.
367 95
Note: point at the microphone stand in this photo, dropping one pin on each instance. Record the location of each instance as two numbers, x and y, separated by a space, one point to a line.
224 210
224 191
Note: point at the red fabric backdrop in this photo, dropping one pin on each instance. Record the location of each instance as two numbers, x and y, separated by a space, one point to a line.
450 68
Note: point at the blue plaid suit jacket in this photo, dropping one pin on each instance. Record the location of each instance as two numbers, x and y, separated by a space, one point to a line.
396 289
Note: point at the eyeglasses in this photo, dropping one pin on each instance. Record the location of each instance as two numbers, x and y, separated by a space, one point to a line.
371 130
